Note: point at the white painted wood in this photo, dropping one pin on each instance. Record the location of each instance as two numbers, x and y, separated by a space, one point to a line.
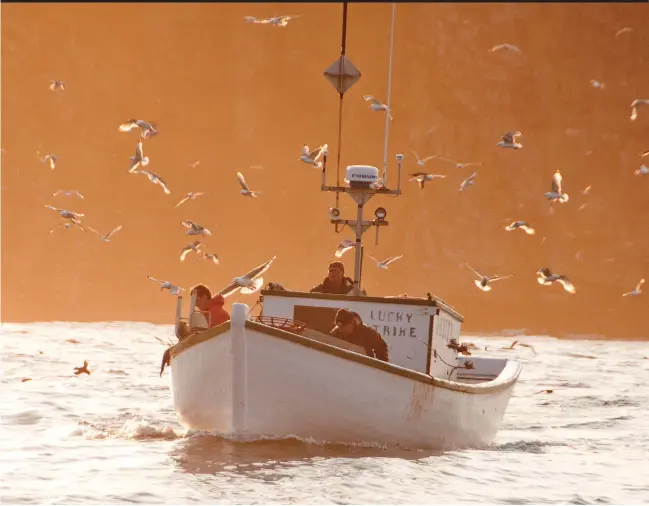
404 328
247 383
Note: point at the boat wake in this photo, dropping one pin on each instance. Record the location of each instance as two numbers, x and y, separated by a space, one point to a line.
127 426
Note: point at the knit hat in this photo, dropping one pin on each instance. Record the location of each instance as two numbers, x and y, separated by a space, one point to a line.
337 265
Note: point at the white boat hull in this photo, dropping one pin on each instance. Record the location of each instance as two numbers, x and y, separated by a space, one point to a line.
248 381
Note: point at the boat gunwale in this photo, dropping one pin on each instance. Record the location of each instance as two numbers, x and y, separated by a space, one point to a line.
410 301
496 385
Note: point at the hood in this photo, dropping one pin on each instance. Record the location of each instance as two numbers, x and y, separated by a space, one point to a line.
217 300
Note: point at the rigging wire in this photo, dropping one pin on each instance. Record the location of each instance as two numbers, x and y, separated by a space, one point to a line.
343 47
389 111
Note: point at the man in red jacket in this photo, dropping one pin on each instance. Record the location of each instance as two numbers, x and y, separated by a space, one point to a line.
211 307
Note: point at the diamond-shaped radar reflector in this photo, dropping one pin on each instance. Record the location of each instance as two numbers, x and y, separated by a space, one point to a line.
342 74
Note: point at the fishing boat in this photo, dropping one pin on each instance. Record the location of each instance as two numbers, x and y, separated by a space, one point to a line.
281 373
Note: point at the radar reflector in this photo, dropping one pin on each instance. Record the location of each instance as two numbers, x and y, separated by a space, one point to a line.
342 74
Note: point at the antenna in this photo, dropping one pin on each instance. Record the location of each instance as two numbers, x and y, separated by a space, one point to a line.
389 111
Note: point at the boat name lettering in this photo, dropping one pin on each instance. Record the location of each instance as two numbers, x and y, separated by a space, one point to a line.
401 323
390 316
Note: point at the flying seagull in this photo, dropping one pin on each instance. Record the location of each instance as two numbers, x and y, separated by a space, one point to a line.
508 140
311 157
643 170
194 228
634 106
376 104
195 246
507 46
468 181
344 246
166 285
211 256
106 238
483 282
190 195
384 264
597 84
249 282
626 29
422 177
422 161
68 193
82 370
557 193
155 179
54 85
276 21
545 277
459 165
68 215
148 129
523 225
51 160
244 187
638 289
139 158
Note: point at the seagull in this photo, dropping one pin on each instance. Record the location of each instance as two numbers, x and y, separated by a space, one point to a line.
166 285
637 290
210 256
344 246
557 193
514 343
68 215
460 165
155 179
597 84
376 105
468 181
249 282
384 264
422 177
646 153
422 161
508 140
57 85
311 157
507 46
545 277
195 246
586 190
195 228
138 159
68 193
546 391
626 29
276 21
634 106
483 283
643 170
244 187
523 225
106 238
67 225
148 129
51 159
190 195
82 369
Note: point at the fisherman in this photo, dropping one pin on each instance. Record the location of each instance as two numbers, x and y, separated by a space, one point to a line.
350 327
336 282
210 306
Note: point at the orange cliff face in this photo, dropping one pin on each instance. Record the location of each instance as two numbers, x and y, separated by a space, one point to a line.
236 96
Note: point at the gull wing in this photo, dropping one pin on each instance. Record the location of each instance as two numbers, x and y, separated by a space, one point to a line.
242 181
476 272
567 285
496 277
156 280
371 98
184 199
556 183
116 229
392 259
639 285
259 270
189 224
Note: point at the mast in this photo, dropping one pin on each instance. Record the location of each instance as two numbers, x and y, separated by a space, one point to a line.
363 181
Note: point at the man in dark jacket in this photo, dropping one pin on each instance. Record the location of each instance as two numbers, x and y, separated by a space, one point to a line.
350 328
336 282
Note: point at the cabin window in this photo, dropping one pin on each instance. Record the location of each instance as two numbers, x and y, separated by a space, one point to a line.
316 318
